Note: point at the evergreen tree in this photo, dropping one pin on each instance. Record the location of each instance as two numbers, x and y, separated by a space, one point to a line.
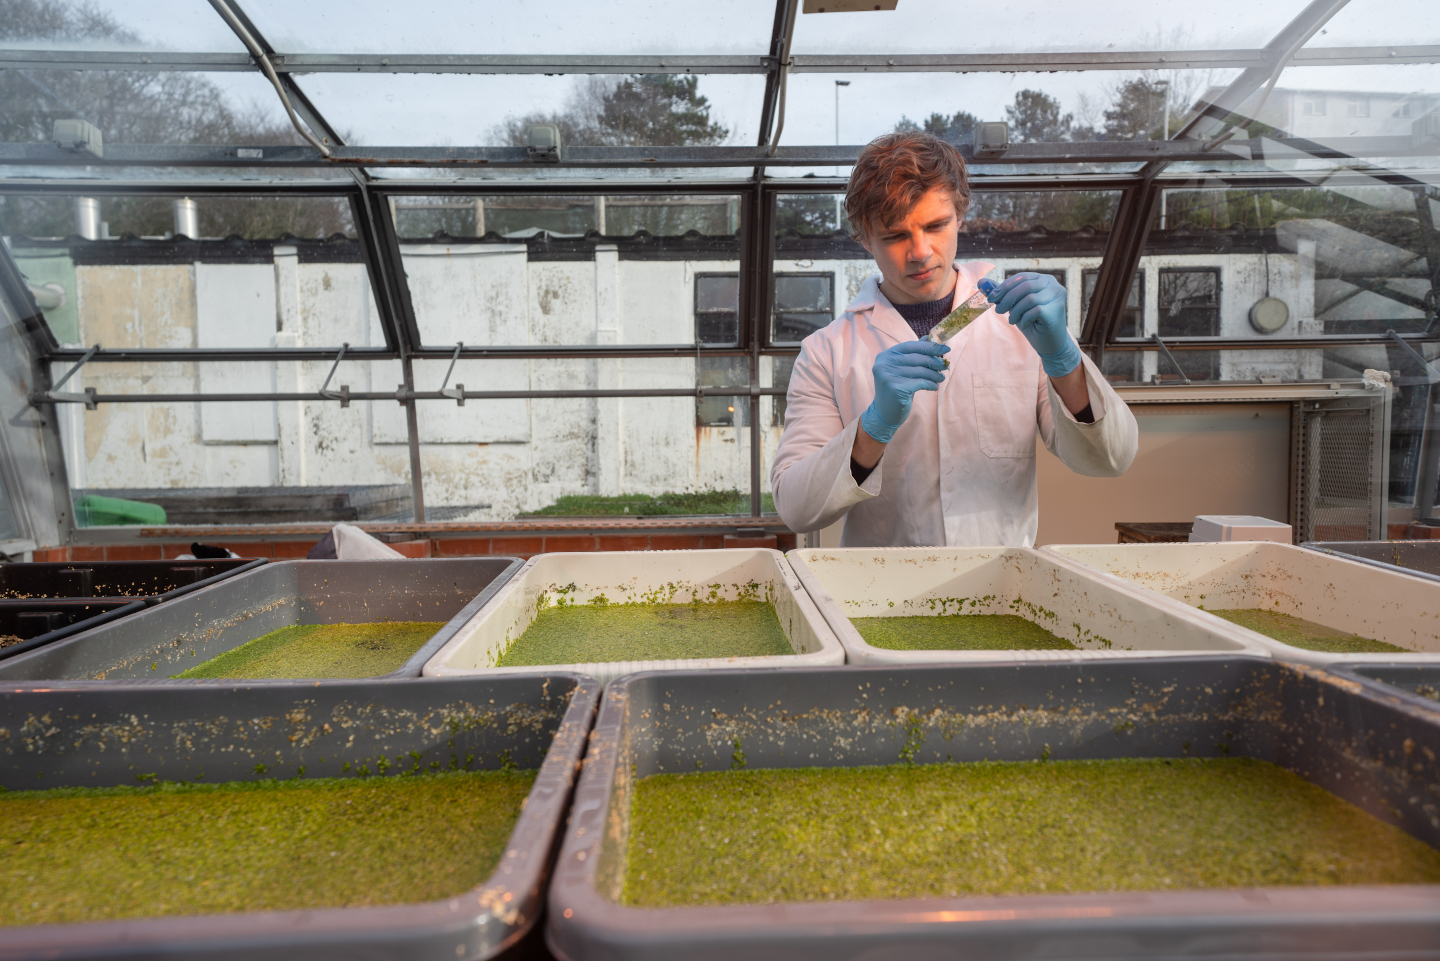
1137 111
1035 117
641 110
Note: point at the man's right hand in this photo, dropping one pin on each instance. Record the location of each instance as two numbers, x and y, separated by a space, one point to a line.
899 372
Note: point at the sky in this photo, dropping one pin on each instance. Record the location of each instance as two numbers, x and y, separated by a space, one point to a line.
435 110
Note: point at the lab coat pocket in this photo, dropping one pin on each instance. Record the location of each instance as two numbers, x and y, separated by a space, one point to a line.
1005 411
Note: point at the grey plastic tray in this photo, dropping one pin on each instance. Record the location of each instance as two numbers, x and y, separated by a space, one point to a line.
103 734
1324 728
1415 558
166 639
150 581
57 618
1416 685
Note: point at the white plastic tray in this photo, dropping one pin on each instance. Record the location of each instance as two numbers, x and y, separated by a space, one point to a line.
1343 594
628 577
1105 619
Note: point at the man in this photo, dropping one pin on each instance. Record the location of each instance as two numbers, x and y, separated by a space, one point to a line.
922 444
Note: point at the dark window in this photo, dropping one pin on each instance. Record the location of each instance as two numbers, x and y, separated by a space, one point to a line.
803 304
717 309
1120 366
1189 306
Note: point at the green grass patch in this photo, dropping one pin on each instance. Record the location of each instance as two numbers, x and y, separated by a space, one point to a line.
643 505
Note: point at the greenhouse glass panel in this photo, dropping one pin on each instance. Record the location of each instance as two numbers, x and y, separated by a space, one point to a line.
514 270
565 27
1038 26
852 108
261 272
579 456
431 110
1363 23
1351 255
119 25
142 107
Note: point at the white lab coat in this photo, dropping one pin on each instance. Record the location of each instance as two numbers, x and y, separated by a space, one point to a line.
961 470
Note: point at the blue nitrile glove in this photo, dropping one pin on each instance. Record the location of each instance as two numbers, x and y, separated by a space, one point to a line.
1036 304
899 372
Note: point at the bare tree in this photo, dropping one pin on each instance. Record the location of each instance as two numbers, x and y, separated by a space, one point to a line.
134 107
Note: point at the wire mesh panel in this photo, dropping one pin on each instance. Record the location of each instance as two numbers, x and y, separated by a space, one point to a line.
1341 466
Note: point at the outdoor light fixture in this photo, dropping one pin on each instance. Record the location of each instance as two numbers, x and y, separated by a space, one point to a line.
991 139
1269 315
542 141
78 136
847 6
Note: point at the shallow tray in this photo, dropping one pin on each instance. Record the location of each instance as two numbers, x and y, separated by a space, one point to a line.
1354 744
102 734
190 630
71 615
919 581
622 576
1413 558
151 581
1397 679
1344 594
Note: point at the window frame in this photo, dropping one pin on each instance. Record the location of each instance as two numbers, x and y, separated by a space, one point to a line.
774 306
697 311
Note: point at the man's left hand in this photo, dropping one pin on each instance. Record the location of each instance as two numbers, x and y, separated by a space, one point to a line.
1036 304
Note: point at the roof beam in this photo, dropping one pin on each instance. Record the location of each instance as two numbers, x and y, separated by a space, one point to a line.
1103 151
288 63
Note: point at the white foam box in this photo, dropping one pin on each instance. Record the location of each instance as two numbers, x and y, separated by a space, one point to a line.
637 577
1342 594
1210 528
1104 618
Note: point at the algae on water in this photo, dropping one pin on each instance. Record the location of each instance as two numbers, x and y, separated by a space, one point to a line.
1000 828
958 632
597 633
1305 634
96 854
322 650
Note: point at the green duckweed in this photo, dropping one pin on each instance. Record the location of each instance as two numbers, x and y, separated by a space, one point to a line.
94 854
597 633
1000 828
958 632
322 650
1305 634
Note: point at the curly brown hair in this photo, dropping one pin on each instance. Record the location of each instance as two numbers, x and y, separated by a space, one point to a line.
894 171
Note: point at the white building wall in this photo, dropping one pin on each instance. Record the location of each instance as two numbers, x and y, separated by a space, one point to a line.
514 455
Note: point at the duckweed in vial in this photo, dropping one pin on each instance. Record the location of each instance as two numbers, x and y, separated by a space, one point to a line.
1305 634
322 650
598 633
93 854
958 632
1000 828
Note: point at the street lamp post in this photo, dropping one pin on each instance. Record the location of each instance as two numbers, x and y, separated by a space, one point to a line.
839 200
1164 85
